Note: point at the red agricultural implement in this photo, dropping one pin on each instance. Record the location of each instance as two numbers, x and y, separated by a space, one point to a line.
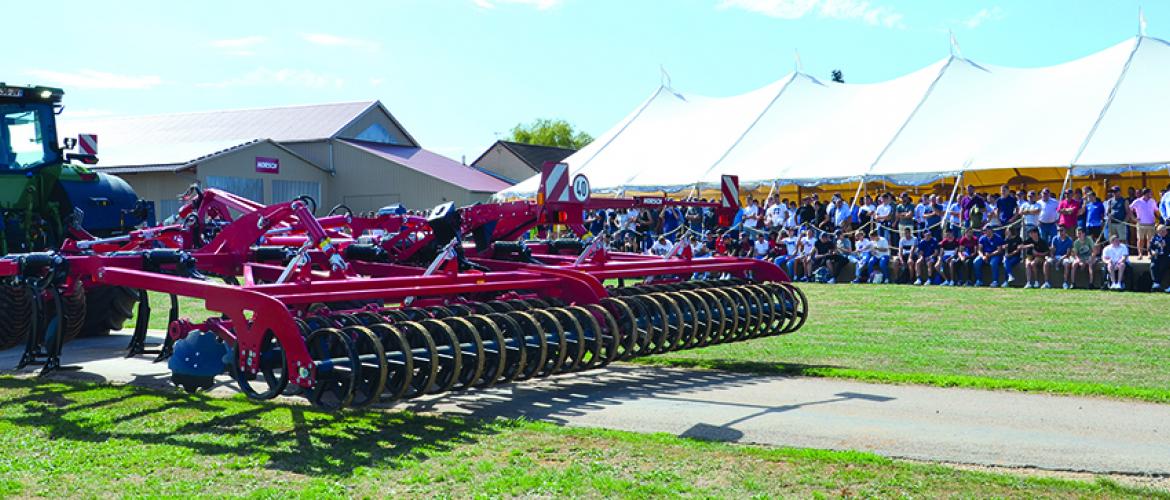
352 310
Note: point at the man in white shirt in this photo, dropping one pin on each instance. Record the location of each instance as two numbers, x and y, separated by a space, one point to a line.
1164 205
1115 256
883 217
881 258
751 214
1048 215
761 247
862 257
1029 211
660 247
776 213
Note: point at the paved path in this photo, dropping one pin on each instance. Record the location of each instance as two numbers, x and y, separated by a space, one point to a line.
926 423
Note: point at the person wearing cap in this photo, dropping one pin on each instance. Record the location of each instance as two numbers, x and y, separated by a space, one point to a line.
1069 209
1159 258
1144 210
1115 255
1084 252
1117 211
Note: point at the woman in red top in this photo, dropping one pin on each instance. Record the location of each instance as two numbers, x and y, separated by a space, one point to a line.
968 250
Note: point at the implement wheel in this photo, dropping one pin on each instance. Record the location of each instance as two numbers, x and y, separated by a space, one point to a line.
15 315
106 309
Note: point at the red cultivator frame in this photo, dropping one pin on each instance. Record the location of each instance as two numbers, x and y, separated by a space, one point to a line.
350 311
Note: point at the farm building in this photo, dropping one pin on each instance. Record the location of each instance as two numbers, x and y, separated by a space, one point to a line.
355 153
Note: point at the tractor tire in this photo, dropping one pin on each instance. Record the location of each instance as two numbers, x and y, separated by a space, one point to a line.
106 309
16 315
74 314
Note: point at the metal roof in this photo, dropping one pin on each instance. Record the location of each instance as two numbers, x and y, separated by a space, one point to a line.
434 165
183 137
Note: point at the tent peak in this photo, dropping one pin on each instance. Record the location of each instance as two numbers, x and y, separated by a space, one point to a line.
1141 22
955 52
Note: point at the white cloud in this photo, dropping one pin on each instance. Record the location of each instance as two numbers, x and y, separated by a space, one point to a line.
239 46
861 10
377 82
92 79
283 77
538 4
983 16
327 40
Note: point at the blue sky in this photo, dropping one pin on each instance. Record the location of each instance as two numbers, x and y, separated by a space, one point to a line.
457 73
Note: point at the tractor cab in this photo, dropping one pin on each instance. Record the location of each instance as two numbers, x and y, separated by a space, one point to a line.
28 127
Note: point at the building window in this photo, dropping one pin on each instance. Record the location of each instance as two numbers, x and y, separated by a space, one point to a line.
286 190
377 133
252 189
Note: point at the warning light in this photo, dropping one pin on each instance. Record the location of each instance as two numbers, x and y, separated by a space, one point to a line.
562 217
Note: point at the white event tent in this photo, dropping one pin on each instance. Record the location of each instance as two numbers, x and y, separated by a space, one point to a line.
1104 114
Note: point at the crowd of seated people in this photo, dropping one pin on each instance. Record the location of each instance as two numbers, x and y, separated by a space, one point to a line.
972 239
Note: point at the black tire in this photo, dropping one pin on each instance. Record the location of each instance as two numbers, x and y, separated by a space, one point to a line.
15 315
106 309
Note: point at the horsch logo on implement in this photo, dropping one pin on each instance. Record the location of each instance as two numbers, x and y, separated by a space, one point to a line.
266 165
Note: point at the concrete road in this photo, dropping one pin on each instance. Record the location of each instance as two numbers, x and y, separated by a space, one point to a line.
925 423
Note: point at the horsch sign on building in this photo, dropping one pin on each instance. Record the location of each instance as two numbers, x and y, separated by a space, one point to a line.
265 165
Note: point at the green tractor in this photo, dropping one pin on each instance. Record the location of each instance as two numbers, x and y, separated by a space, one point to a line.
47 194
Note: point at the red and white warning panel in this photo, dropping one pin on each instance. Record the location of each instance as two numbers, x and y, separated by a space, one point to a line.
87 143
730 188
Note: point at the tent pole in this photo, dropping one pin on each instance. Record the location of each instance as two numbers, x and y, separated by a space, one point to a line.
1064 185
947 207
856 195
771 190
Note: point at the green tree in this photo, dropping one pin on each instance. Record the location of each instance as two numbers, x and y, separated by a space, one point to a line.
546 132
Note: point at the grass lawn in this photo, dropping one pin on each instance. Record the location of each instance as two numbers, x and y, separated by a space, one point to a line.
1073 342
68 440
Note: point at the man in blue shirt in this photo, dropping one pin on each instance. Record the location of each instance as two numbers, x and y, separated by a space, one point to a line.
990 252
671 219
926 252
1094 216
1060 258
1005 206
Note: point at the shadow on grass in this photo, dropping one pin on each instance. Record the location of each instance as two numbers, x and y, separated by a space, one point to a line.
291 438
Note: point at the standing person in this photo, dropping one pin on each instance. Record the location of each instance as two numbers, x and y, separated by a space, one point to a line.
925 254
1012 255
1005 206
1164 205
883 216
905 258
751 214
695 219
1084 254
974 208
806 214
1070 209
920 210
1094 215
1118 212
945 266
1115 255
881 258
965 260
990 253
865 213
1061 258
777 212
1143 210
1049 214
1029 211
934 216
1159 258
904 213
671 222
839 213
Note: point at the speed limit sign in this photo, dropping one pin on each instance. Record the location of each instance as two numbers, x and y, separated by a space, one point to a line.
580 188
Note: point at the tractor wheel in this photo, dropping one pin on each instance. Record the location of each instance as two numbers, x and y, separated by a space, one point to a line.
106 309
16 315
73 301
